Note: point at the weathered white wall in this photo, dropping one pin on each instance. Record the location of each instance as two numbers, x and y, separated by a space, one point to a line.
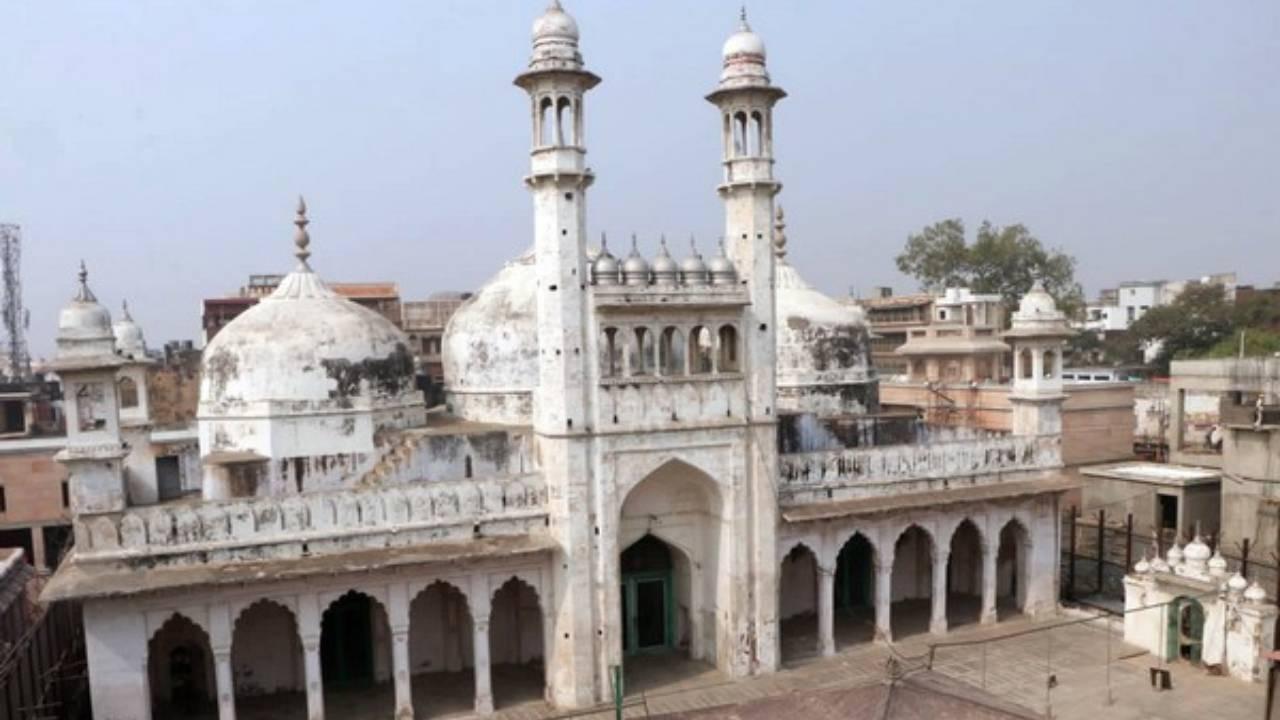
266 652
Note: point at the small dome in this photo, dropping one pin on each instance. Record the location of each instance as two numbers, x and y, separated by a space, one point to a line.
490 348
692 269
665 269
1255 593
744 42
1142 567
1217 565
722 269
1237 583
1159 565
1037 302
604 271
744 58
1174 555
129 340
1197 551
555 23
635 269
84 326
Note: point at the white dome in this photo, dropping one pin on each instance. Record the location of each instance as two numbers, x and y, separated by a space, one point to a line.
1142 567
129 340
1237 583
1174 555
302 349
824 350
490 348
1037 303
1255 593
555 23
84 326
743 42
1197 551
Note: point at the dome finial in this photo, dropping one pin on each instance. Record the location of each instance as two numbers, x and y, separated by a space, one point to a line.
302 239
742 19
84 294
124 310
779 234
604 243
555 5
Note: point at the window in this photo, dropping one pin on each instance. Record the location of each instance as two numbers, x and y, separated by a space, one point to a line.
4 503
641 348
128 393
671 352
610 353
700 348
466 469
728 349
66 494
1168 512
1129 313
1049 369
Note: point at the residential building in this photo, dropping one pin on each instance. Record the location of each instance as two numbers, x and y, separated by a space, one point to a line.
424 322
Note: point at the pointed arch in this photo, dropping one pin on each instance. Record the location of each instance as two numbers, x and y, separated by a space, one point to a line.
1013 567
798 589
180 669
267 659
912 580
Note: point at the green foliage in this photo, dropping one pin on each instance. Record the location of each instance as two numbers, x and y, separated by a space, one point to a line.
1258 342
1189 326
1002 260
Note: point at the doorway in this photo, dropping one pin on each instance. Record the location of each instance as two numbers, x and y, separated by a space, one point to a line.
1185 632
647 617
346 642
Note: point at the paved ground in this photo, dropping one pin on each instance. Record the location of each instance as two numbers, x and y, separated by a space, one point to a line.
1015 666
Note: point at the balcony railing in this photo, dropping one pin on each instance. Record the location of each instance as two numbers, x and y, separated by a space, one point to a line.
860 472
313 523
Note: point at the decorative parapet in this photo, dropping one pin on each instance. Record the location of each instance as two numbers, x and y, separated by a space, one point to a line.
859 472
313 523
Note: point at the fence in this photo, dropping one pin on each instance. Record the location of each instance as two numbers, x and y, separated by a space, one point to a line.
1099 549
42 672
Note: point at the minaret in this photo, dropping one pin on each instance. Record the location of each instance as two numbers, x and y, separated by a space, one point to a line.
745 98
86 362
1038 332
557 82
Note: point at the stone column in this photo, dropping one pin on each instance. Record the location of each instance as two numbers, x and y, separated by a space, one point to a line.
938 616
884 597
38 558
480 648
1037 364
988 583
398 619
309 633
220 643
826 611
225 682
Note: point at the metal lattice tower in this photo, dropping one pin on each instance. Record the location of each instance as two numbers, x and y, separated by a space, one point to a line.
15 317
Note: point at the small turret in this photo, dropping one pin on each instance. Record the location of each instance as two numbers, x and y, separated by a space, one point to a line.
665 270
635 269
721 268
692 269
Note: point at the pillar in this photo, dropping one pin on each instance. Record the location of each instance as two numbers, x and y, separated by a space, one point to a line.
38 559
1037 364
938 616
884 598
309 633
484 690
398 620
220 644
480 611
826 611
989 552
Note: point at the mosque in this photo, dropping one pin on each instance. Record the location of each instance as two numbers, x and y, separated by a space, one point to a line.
638 459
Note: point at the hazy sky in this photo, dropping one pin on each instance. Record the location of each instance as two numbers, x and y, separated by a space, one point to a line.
165 141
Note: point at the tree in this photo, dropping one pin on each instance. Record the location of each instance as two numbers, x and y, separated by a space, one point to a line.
1002 260
1190 326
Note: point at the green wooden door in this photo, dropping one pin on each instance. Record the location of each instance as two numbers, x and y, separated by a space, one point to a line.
647 612
1184 629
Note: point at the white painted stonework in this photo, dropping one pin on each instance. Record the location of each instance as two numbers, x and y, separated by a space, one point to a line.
610 421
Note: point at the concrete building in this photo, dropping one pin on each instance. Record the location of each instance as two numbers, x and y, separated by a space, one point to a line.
892 319
637 457
961 343
380 297
1117 308
424 322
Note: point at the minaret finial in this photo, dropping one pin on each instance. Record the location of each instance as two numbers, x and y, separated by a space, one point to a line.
124 310
84 294
555 5
779 234
635 250
742 19
693 245
604 243
302 239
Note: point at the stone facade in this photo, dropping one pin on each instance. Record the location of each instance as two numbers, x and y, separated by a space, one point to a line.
609 478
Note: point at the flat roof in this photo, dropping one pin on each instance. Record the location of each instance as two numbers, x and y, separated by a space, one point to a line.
828 509
1156 473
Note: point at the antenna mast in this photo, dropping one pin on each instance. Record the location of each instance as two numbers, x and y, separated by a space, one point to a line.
14 316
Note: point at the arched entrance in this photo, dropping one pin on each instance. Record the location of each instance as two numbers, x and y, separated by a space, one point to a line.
855 586
267 662
964 576
912 584
441 662
1185 632
355 657
798 603
648 589
1011 569
516 645
180 670
669 580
